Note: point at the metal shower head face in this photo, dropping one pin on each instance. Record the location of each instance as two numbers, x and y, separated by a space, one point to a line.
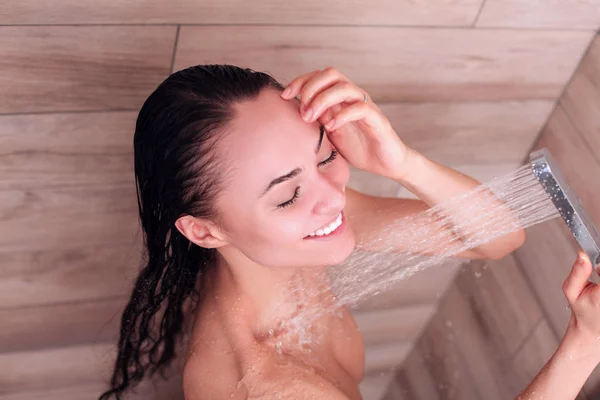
566 202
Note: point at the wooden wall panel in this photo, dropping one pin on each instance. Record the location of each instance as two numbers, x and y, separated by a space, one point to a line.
501 300
406 64
578 162
383 357
513 332
395 324
414 380
69 228
372 387
534 353
557 14
425 287
58 68
581 101
444 359
483 320
68 274
309 12
33 328
546 259
66 149
475 133
76 372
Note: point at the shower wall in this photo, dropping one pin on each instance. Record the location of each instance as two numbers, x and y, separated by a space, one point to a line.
500 321
469 83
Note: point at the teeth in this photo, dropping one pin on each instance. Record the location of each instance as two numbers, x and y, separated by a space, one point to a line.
327 230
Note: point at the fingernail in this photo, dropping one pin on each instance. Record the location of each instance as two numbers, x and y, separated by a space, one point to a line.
330 124
308 114
581 258
286 92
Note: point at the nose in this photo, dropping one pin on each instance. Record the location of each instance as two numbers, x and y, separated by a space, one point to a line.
331 200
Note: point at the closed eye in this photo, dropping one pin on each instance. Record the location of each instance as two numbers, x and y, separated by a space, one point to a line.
292 200
334 154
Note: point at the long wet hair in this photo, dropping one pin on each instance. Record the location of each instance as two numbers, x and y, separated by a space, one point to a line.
177 173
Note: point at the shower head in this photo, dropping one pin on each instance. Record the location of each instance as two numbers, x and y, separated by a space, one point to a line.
566 202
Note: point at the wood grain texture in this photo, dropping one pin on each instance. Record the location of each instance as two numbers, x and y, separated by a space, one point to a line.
554 14
530 359
56 218
66 149
443 356
414 380
581 101
71 371
406 64
483 322
67 274
534 353
394 324
60 325
171 390
546 259
570 136
501 302
470 133
310 12
465 326
372 387
423 288
58 68
575 158
384 357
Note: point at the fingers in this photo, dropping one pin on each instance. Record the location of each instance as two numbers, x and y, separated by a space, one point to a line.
293 88
577 280
357 111
339 93
309 85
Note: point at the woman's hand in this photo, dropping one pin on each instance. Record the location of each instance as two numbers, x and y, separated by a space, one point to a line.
578 353
584 300
354 124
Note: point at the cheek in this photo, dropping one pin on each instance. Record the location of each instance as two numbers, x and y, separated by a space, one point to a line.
288 228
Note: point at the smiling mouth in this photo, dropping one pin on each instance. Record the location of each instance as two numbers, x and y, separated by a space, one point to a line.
328 229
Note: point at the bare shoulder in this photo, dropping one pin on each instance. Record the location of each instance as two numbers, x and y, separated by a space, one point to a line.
210 372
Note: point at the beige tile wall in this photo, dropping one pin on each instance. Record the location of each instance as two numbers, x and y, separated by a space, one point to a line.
74 73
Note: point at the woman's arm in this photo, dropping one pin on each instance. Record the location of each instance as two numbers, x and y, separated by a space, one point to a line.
578 354
477 213
434 184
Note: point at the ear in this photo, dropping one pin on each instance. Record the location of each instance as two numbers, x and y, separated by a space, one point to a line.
204 233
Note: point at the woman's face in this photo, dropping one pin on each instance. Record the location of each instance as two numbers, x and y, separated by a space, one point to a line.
286 182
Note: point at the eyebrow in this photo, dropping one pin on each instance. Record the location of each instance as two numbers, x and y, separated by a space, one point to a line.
296 171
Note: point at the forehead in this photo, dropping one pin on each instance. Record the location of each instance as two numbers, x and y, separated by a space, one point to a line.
268 138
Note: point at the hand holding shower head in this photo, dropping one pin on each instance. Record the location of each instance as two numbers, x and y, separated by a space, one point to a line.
567 203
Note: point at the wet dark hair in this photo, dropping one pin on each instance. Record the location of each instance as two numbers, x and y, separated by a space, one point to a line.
177 173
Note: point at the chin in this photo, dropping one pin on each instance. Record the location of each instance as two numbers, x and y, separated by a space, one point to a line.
341 251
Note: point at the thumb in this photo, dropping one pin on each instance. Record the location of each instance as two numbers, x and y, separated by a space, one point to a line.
578 278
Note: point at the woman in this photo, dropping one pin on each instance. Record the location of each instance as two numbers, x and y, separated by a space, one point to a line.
243 201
